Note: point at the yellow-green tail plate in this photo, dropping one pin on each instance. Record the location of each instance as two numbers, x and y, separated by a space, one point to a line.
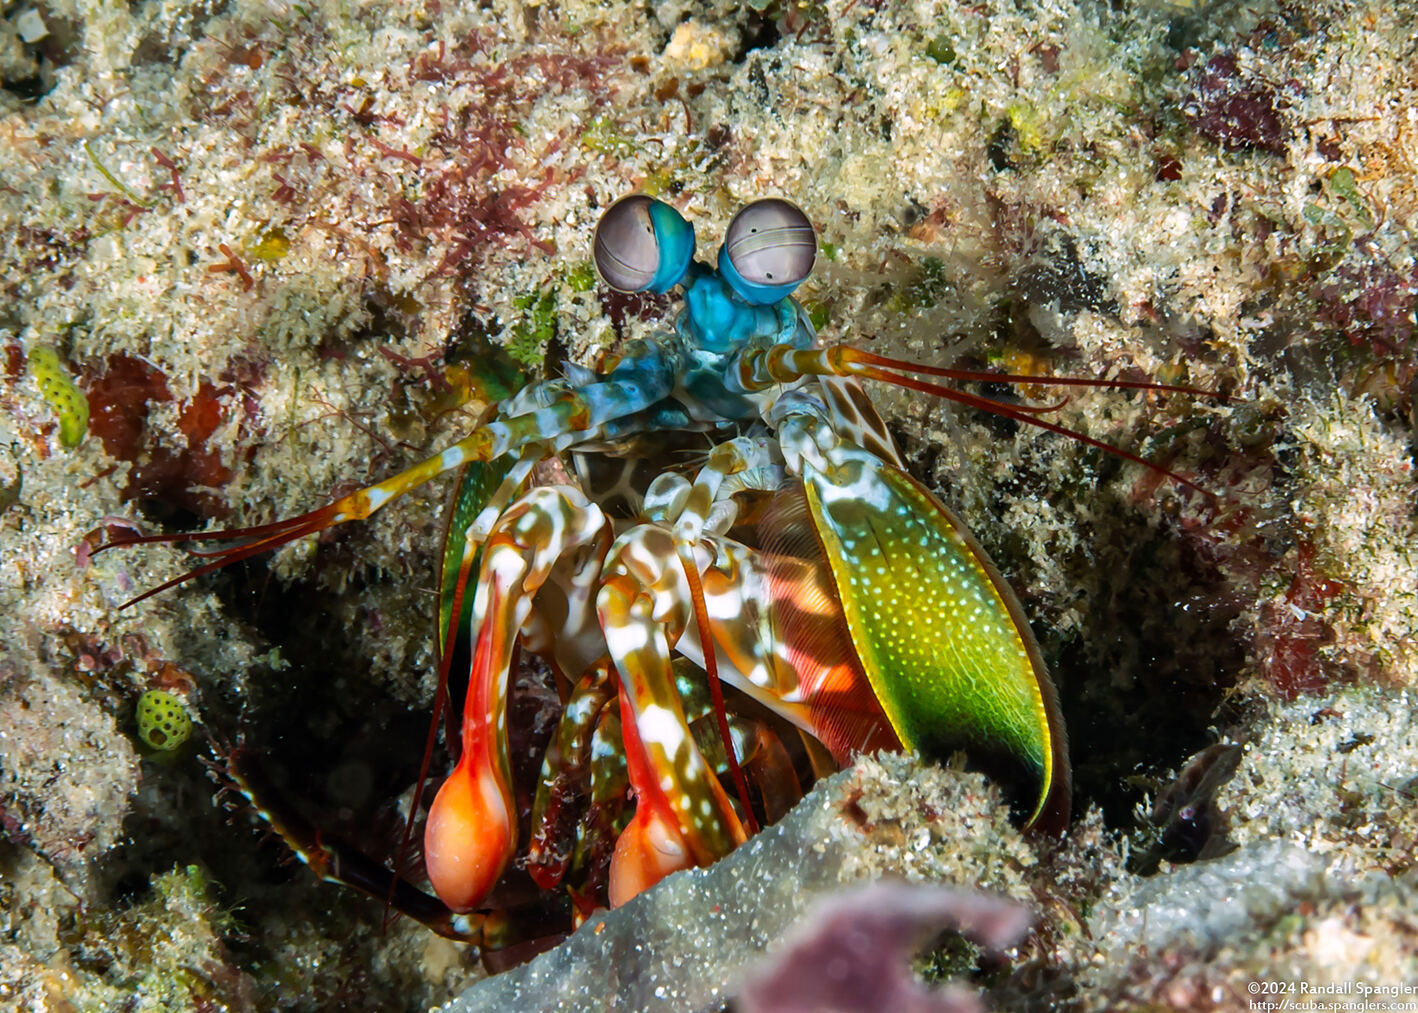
939 634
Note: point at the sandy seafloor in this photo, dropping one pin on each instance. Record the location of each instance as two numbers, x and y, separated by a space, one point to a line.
256 235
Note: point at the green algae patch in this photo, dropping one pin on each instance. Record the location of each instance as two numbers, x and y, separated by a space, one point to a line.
529 337
1028 125
163 723
273 246
603 135
582 277
62 394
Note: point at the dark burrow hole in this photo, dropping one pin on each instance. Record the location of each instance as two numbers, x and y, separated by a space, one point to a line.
338 749
131 888
1143 681
325 733
760 32
169 516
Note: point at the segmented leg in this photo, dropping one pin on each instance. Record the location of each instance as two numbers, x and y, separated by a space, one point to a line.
332 859
566 777
544 419
772 770
690 510
682 816
604 819
472 826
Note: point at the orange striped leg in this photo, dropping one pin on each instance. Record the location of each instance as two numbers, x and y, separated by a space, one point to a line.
682 817
472 826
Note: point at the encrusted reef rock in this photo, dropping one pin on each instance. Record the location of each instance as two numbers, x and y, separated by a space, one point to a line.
1325 904
689 943
256 253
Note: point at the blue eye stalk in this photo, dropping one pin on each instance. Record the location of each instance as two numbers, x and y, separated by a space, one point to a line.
768 252
643 245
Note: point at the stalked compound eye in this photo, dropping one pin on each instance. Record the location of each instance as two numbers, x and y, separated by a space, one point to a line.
642 245
768 251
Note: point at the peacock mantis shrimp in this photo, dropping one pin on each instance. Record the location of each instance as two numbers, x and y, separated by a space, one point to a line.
796 562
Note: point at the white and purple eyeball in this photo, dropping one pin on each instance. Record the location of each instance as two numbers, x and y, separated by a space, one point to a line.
642 245
768 251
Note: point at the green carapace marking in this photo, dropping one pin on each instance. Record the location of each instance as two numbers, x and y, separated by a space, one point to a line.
935 627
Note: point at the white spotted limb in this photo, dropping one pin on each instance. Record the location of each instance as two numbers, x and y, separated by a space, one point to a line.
472 826
683 817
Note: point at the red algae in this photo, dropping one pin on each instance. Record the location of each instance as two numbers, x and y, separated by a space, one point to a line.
1236 109
1294 628
14 362
1371 304
120 401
